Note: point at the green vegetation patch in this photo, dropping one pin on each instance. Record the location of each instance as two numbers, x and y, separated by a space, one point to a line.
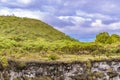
30 39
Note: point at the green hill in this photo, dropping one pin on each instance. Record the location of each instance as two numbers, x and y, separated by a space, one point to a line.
20 35
20 29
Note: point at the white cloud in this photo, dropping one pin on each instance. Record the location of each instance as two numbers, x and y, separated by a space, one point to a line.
74 19
95 15
95 27
115 26
24 1
49 9
20 3
110 7
3 0
98 25
22 13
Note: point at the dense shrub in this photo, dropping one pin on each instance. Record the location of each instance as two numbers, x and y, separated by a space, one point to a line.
102 37
53 57
4 61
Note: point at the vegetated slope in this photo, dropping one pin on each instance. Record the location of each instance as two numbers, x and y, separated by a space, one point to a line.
24 35
21 35
21 29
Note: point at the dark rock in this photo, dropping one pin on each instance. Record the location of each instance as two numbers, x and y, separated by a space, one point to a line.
59 70
112 74
118 69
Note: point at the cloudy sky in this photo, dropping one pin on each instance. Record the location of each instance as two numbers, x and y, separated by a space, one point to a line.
81 19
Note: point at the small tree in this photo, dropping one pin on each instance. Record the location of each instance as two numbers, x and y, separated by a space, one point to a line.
102 37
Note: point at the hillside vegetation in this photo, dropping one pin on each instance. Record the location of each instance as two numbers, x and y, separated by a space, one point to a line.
33 39
21 29
25 34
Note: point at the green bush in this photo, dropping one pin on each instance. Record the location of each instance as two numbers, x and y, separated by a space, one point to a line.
4 61
102 37
53 57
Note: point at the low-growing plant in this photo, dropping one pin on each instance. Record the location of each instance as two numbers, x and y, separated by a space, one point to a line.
4 61
53 57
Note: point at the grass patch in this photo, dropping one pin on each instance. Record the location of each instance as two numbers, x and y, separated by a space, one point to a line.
59 57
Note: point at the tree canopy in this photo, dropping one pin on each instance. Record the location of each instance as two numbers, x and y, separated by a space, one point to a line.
104 37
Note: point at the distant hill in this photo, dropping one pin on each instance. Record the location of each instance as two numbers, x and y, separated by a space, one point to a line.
20 29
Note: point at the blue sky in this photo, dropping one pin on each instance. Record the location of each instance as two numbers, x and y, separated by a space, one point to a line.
81 19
